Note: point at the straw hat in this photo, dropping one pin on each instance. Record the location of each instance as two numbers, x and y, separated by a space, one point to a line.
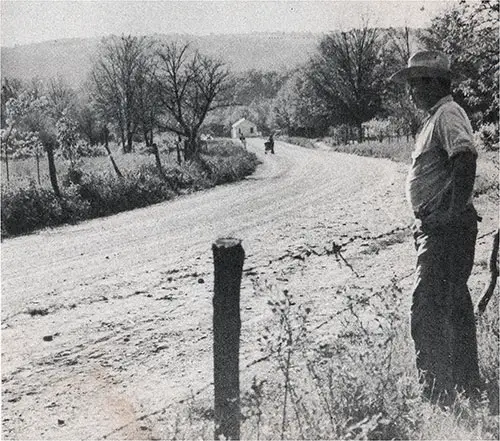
424 64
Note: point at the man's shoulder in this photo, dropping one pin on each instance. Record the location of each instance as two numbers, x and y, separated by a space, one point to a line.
452 106
451 110
448 104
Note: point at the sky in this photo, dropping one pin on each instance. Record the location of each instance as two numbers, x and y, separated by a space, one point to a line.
24 22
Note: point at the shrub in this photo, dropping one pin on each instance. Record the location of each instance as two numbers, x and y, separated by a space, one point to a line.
360 382
397 150
107 194
89 194
28 208
85 149
486 137
223 168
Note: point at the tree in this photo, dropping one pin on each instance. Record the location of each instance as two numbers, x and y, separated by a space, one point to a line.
20 114
255 86
148 104
67 138
62 99
11 88
347 74
116 78
189 86
30 114
298 109
88 123
468 33
404 115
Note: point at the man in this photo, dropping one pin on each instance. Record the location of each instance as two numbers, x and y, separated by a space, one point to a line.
439 189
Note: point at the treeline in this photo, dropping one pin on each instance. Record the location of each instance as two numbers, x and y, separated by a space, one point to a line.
139 87
344 91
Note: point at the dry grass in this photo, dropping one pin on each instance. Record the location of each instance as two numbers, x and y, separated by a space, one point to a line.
360 384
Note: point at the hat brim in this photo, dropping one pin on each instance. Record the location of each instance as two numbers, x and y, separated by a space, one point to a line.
407 73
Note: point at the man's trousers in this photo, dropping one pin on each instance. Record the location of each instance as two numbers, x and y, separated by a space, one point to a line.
442 314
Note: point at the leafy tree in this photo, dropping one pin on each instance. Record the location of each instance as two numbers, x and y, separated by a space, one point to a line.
255 86
62 99
116 77
347 74
298 109
11 88
67 138
468 33
19 116
405 118
30 113
190 85
88 121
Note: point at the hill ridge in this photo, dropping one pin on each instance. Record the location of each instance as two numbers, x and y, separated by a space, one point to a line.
71 58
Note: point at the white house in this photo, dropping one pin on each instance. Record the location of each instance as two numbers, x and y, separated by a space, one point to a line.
245 128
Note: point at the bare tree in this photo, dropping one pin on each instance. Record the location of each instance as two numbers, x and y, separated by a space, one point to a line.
116 77
148 104
189 86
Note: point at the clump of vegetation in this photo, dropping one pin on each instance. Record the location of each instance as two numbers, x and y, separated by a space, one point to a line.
487 137
357 383
87 194
25 209
361 383
297 140
397 150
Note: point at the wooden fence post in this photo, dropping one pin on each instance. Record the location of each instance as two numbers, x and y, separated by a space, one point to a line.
228 262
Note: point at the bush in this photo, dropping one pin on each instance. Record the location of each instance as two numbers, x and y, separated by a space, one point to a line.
28 208
228 163
85 149
397 150
107 194
486 137
93 194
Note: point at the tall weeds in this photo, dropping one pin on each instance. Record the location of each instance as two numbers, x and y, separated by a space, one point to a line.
361 383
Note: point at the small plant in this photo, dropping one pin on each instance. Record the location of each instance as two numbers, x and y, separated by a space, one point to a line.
486 137
283 343
360 382
252 402
37 311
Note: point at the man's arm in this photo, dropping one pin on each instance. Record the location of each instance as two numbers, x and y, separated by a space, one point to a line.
463 177
463 174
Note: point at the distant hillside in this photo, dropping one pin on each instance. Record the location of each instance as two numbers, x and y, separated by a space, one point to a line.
71 59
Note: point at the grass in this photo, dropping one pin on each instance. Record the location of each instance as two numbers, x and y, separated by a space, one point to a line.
92 189
400 150
360 383
396 149
23 171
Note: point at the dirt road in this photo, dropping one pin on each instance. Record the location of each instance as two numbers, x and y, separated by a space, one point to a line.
108 321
